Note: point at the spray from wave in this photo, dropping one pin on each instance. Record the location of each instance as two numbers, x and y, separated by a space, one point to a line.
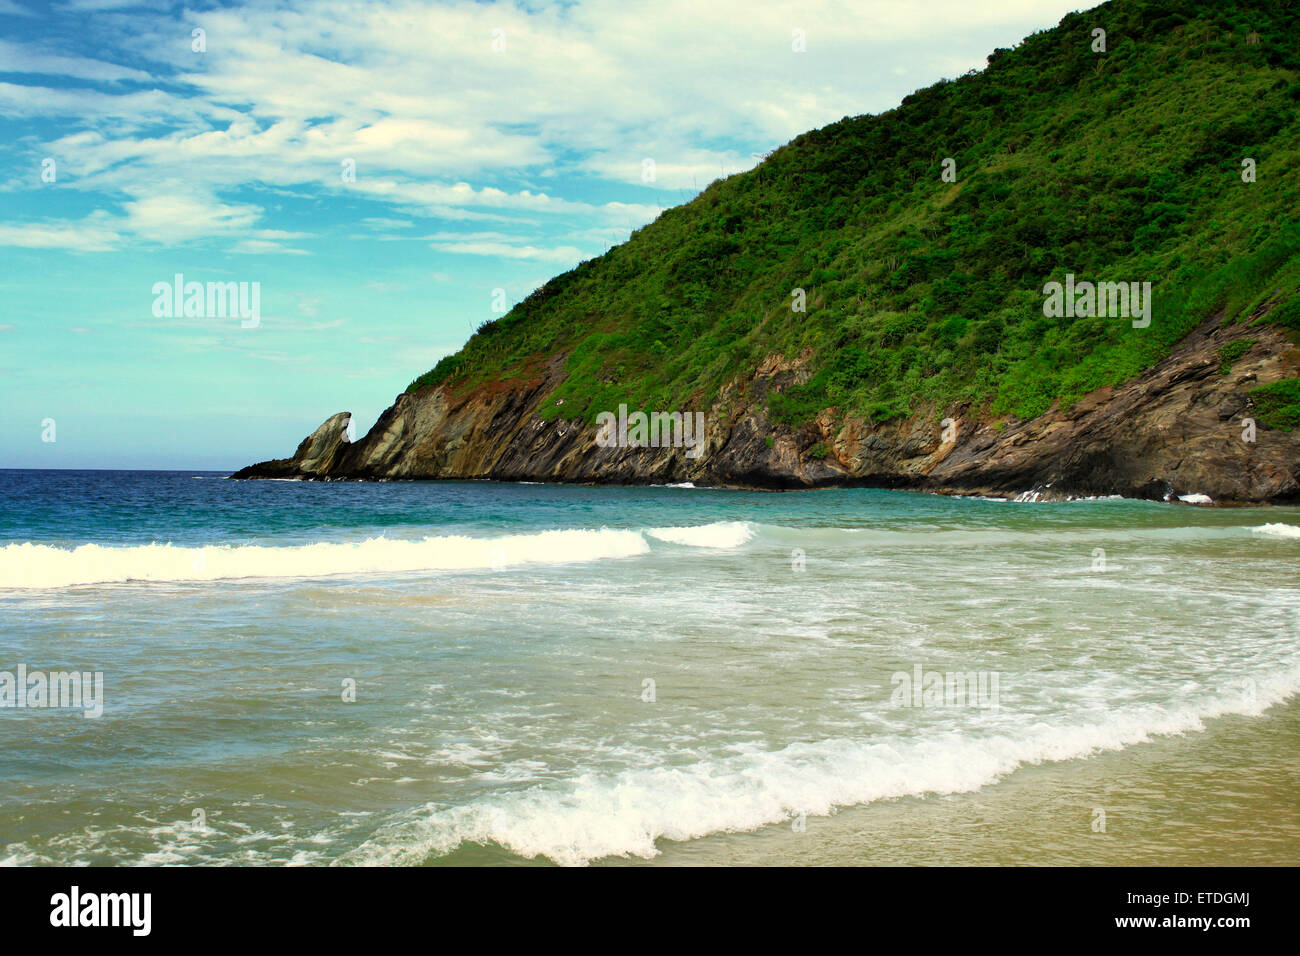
720 534
1278 530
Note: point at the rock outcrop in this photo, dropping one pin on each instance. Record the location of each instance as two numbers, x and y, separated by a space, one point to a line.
318 456
1176 430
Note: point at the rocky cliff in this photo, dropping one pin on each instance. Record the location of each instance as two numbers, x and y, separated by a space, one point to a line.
1182 428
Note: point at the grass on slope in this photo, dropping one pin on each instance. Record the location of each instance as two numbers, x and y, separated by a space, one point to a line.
1123 165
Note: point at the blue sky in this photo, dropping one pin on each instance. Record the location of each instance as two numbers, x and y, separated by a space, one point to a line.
495 145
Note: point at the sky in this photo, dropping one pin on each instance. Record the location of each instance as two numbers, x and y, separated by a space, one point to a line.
385 174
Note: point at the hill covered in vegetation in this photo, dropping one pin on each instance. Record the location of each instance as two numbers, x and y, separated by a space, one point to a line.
874 278
1120 165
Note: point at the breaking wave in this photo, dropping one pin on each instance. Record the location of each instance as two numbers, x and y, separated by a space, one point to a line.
43 566
31 565
720 534
594 815
1278 529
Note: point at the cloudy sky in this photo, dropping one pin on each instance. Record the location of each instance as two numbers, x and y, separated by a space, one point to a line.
493 145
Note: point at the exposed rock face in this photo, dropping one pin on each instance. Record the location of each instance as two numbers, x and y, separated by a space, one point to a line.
1175 430
317 456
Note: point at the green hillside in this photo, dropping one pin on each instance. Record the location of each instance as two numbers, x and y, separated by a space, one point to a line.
1121 166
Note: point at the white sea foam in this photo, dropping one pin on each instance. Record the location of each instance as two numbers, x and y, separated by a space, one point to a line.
1278 529
594 816
43 566
720 534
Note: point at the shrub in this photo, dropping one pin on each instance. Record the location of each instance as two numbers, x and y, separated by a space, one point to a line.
1278 405
1231 352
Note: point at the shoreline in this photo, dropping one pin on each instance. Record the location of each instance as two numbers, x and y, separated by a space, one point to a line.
1039 496
1198 799
1210 798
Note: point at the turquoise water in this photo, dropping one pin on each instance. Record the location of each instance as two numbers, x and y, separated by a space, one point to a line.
573 674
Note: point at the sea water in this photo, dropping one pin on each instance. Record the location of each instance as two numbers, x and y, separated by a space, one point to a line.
473 672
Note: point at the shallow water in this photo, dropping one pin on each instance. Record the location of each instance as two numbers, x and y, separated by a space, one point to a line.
572 675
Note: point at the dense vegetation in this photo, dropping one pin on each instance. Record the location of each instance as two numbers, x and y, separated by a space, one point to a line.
1123 165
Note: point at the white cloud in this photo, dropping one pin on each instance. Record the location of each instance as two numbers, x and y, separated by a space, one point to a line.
687 169
381 223
15 58
560 255
172 217
173 213
261 247
439 125
84 236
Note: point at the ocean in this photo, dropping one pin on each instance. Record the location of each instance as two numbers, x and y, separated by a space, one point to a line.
482 673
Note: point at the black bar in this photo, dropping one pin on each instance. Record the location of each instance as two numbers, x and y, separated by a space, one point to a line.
946 907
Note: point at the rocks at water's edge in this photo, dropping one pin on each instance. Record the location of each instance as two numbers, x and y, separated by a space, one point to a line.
1175 430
